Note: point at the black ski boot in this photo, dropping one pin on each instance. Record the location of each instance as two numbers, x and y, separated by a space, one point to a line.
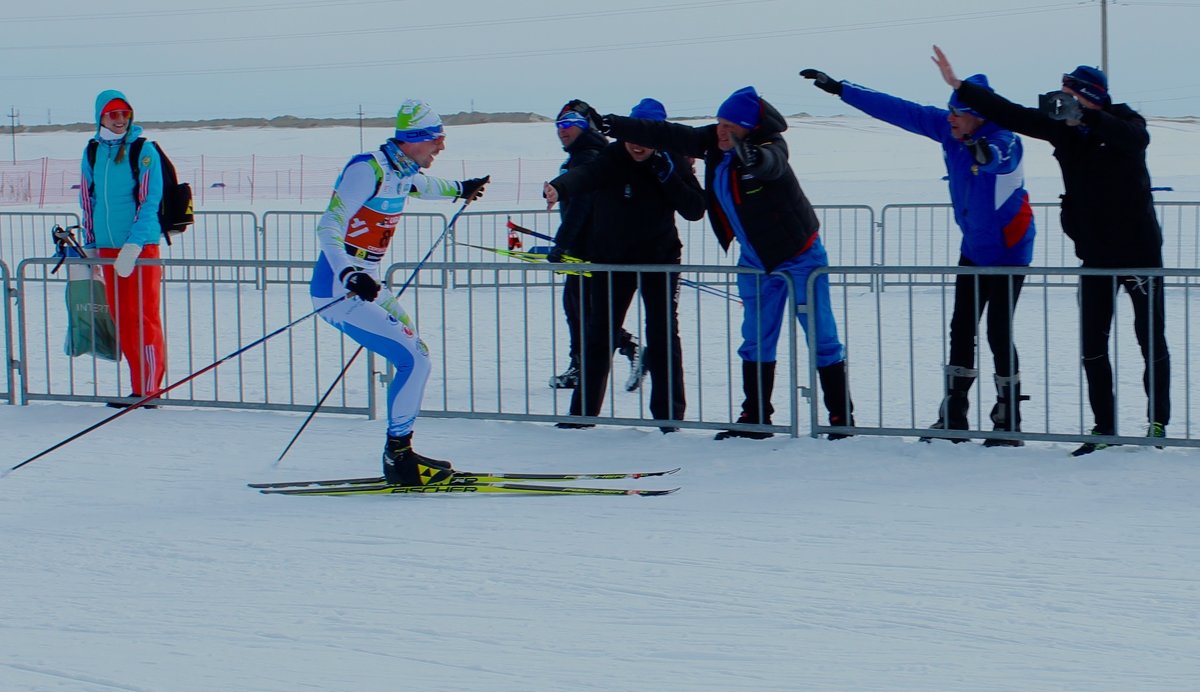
1006 414
403 466
637 363
757 408
953 412
836 388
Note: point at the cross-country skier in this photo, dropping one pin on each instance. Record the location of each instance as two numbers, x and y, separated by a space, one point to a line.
353 235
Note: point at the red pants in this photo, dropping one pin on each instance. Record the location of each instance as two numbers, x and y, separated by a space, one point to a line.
134 305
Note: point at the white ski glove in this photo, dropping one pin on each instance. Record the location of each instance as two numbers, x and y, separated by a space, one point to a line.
126 258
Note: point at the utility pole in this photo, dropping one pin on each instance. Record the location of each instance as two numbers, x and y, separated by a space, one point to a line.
1104 35
360 132
13 114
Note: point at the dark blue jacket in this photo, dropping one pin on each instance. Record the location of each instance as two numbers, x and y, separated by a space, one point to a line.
990 203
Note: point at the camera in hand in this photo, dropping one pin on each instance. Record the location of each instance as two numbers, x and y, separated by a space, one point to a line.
1060 105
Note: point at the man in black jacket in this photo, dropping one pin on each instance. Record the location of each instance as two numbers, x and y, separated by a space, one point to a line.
583 143
1108 210
635 193
753 195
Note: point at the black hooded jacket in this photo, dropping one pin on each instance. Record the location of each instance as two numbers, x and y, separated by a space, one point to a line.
633 212
576 216
777 218
1107 208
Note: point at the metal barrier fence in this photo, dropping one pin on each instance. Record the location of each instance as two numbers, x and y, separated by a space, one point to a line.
927 235
896 342
27 234
10 362
204 318
497 341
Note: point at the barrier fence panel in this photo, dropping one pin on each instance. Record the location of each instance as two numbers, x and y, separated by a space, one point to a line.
205 319
927 235
897 343
496 343
292 236
216 235
10 360
27 234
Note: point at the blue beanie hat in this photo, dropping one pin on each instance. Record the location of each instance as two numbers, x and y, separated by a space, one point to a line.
743 107
649 109
979 80
1089 82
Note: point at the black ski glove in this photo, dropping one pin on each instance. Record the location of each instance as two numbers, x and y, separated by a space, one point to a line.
556 254
360 284
746 152
822 81
1059 105
662 165
473 189
979 150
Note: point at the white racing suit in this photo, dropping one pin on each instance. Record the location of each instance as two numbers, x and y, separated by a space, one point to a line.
353 234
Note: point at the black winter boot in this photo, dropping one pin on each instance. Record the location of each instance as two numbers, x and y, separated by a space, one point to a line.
1006 414
403 466
757 408
836 388
952 415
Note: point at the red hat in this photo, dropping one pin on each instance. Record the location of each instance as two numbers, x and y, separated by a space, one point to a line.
116 105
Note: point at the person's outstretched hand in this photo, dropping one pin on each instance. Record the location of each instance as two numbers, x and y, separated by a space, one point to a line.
939 59
822 81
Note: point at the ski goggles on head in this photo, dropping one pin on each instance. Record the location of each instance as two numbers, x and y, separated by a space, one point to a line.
959 110
423 134
571 119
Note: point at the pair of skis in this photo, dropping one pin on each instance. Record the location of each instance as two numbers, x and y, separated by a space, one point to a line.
464 482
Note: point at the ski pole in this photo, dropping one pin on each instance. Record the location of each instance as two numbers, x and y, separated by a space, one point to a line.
703 288
413 275
171 386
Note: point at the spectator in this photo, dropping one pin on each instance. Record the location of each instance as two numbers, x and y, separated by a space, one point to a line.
635 193
583 143
370 195
991 207
753 195
120 221
1108 211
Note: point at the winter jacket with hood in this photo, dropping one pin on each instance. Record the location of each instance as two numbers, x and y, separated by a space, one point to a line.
633 209
1107 208
773 212
116 208
576 215
990 203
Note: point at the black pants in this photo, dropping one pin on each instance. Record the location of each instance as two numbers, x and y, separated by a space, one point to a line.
575 304
972 295
1096 304
610 295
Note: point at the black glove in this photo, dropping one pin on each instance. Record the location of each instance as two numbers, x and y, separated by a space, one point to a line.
360 284
822 81
662 165
556 254
979 149
473 189
746 152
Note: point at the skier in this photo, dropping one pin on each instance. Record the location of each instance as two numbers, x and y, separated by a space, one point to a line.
120 221
583 143
635 192
353 235
1108 211
753 195
991 208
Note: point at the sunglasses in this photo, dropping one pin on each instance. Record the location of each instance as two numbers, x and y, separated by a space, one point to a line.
119 114
571 119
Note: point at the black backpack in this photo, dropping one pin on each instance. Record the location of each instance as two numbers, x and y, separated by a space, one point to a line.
175 210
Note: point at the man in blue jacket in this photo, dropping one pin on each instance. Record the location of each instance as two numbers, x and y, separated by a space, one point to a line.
991 207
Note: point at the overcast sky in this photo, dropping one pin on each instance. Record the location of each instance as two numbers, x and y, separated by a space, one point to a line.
182 60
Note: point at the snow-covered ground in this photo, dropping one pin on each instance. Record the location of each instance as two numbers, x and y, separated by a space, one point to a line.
136 559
